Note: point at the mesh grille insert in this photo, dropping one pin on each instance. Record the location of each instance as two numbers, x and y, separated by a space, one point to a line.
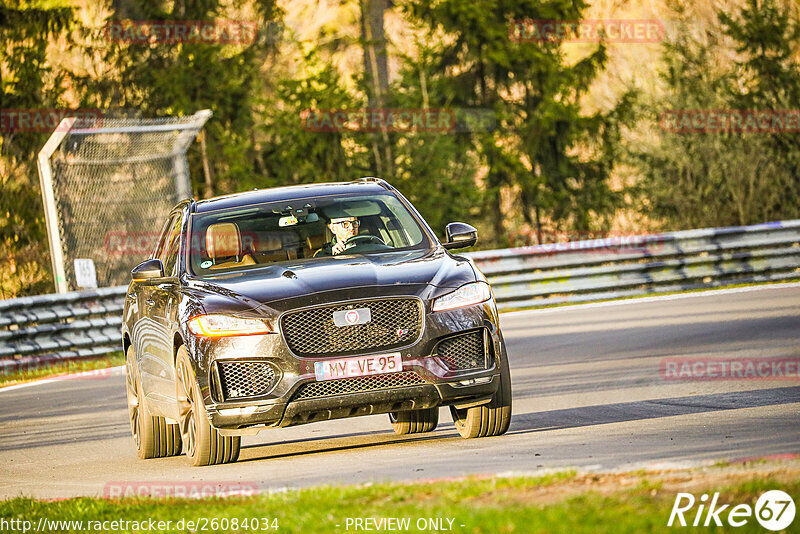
245 379
463 352
393 323
314 390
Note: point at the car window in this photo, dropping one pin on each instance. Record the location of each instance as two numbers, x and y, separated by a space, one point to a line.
162 238
169 253
299 230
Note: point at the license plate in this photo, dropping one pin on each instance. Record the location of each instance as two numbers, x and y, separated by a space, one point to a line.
361 366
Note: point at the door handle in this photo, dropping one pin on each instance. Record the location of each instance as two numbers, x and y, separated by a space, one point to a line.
150 302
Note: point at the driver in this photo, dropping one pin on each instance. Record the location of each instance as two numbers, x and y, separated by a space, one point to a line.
343 228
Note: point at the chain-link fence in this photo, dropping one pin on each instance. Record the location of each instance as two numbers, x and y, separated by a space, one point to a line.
107 191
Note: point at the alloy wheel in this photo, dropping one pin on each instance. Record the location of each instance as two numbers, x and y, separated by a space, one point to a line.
132 391
186 407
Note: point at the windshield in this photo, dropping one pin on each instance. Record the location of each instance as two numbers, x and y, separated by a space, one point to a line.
256 235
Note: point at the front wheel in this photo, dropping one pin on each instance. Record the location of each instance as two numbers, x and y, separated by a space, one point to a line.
204 444
414 421
490 419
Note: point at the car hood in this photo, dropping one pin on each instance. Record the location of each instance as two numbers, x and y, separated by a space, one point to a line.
308 280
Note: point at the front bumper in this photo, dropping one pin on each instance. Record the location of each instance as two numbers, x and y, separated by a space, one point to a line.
298 412
281 406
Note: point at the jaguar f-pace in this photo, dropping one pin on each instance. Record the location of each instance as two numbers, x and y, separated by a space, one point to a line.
300 304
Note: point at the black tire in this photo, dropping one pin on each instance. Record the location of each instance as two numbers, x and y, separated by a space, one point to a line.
204 444
490 419
414 421
154 437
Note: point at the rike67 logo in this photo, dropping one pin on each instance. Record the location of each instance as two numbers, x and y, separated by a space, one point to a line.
774 510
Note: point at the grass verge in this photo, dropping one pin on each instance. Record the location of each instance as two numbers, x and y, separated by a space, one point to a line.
30 372
566 502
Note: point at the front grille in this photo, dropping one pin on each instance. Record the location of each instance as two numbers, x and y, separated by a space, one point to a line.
245 379
463 352
393 323
314 390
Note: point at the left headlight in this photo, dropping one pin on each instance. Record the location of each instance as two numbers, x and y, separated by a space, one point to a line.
225 325
466 295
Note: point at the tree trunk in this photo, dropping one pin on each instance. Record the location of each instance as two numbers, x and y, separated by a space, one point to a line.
497 204
538 225
374 38
206 166
376 72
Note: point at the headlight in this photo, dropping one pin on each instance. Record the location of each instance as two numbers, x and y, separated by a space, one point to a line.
225 325
466 295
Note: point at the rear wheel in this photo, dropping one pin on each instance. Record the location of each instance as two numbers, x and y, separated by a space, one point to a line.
490 419
204 444
154 437
414 421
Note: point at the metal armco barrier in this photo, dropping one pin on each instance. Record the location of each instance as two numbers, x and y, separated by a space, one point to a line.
581 271
45 328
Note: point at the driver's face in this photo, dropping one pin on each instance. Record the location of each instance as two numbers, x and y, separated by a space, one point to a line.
344 229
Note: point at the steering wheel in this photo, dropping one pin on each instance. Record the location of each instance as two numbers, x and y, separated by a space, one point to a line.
365 239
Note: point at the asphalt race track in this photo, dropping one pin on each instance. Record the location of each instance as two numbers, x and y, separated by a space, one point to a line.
588 393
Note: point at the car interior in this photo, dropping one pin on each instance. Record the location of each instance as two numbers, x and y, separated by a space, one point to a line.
260 237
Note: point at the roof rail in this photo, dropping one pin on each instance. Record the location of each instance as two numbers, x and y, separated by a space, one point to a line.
375 179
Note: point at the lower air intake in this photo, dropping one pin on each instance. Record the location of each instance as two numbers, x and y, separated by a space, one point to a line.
314 390
463 352
245 379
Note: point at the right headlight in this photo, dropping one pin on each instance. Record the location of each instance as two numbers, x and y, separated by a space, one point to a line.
466 295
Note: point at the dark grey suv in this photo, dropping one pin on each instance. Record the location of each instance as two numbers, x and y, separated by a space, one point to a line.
298 304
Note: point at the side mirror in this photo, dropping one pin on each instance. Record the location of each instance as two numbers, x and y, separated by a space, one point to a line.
147 270
460 235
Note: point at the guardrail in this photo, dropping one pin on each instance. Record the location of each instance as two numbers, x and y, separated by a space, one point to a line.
581 271
45 328
48 328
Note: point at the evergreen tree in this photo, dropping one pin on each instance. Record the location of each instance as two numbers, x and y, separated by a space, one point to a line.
558 159
726 177
28 82
436 170
180 78
767 35
290 151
